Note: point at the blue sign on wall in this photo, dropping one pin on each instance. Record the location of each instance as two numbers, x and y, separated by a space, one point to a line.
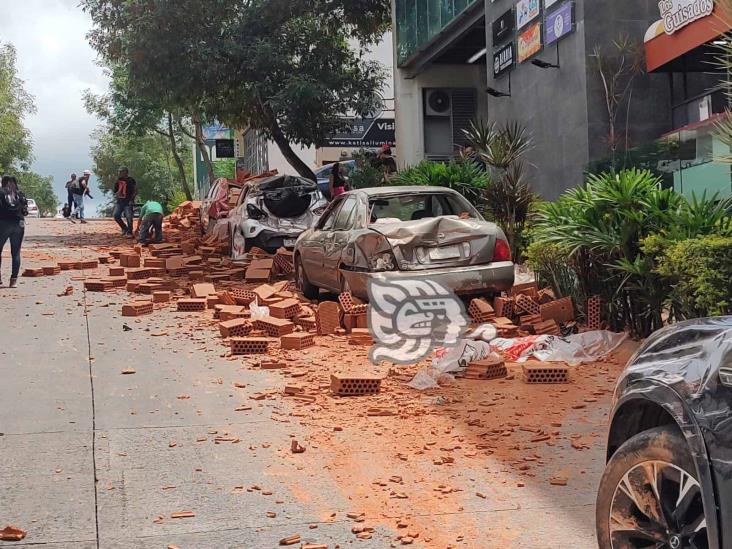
559 23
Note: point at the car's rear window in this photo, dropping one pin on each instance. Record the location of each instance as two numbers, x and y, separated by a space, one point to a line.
411 207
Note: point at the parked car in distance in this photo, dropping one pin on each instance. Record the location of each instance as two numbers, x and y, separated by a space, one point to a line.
272 212
384 233
33 210
323 174
669 451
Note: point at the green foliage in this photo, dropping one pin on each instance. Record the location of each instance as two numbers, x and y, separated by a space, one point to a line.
225 167
288 69
499 146
613 232
40 189
463 176
148 158
175 200
15 105
553 268
699 271
367 174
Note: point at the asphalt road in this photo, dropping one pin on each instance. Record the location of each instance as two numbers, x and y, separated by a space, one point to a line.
94 458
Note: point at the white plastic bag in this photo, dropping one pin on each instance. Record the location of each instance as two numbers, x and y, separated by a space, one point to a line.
258 311
578 348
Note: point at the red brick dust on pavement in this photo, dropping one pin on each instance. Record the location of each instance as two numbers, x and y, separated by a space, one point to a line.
459 466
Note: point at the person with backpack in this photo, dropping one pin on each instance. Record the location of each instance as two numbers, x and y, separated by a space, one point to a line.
69 206
13 209
124 190
78 190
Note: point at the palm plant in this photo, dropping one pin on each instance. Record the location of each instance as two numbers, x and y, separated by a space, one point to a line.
508 198
461 175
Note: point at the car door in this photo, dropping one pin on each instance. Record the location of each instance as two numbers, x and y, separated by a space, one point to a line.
313 246
336 241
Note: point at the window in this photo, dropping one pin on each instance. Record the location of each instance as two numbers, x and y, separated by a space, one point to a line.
329 217
418 206
344 220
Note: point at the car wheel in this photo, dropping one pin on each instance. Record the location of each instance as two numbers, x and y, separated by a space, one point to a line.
650 496
303 284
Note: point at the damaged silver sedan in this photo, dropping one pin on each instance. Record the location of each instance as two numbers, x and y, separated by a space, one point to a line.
392 233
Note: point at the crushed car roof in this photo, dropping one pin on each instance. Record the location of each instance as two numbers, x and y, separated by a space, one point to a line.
410 189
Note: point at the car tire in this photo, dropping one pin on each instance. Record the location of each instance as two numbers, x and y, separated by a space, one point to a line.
653 467
303 284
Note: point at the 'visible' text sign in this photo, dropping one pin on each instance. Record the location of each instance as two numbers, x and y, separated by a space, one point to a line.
676 14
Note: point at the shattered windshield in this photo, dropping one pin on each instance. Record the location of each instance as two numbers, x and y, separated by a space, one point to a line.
412 207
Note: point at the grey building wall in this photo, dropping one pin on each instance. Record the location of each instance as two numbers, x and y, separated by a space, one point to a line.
565 108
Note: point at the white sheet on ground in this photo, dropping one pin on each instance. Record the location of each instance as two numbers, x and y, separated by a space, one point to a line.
578 348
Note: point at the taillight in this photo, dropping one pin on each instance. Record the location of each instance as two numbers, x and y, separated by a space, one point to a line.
502 251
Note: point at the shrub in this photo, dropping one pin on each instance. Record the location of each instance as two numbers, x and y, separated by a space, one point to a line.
552 267
464 176
699 271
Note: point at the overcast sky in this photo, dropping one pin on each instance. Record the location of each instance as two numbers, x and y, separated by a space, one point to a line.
57 65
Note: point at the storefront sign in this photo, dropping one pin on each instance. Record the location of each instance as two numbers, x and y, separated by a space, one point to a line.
503 60
558 23
529 42
364 132
225 148
502 28
526 11
676 14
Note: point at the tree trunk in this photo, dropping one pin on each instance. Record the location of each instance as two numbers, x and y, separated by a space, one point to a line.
201 142
178 160
284 145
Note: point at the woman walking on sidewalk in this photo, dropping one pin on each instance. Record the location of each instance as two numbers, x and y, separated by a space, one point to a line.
13 209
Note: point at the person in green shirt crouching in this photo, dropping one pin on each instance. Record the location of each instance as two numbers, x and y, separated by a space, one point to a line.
151 219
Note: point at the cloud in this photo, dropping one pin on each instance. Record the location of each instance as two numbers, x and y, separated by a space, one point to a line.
57 64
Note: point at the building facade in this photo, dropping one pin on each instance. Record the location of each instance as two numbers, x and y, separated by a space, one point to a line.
547 64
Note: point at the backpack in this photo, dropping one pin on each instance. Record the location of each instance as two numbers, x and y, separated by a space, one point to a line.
13 208
66 210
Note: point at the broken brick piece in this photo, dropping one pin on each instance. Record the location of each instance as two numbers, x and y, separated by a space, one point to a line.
354 384
264 291
328 317
527 304
237 327
137 308
154 262
243 296
12 533
204 289
503 306
117 271
547 327
480 310
66 265
33 272
297 341
544 372
560 310
191 305
257 275
248 345
51 270
529 289
486 369
97 285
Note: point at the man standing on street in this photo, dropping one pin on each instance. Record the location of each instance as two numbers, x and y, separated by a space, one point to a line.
151 217
78 188
125 190
70 196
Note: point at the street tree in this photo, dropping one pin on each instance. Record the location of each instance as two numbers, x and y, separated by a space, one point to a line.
290 69
40 189
148 158
15 104
127 113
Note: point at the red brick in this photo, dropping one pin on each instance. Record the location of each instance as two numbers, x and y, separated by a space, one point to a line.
545 372
248 345
257 275
560 310
33 272
155 262
137 308
297 341
264 291
97 285
274 327
51 270
204 289
328 317
237 327
161 296
242 296
527 304
66 265
191 305
287 308
117 271
594 312
129 260
347 384
486 369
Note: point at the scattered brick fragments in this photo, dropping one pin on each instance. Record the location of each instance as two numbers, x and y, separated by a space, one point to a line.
33 272
274 327
204 289
527 304
129 260
560 310
97 285
51 270
12 533
486 369
287 308
480 310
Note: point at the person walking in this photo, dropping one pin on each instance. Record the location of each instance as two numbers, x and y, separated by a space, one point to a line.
70 197
78 190
125 190
13 209
336 183
151 217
